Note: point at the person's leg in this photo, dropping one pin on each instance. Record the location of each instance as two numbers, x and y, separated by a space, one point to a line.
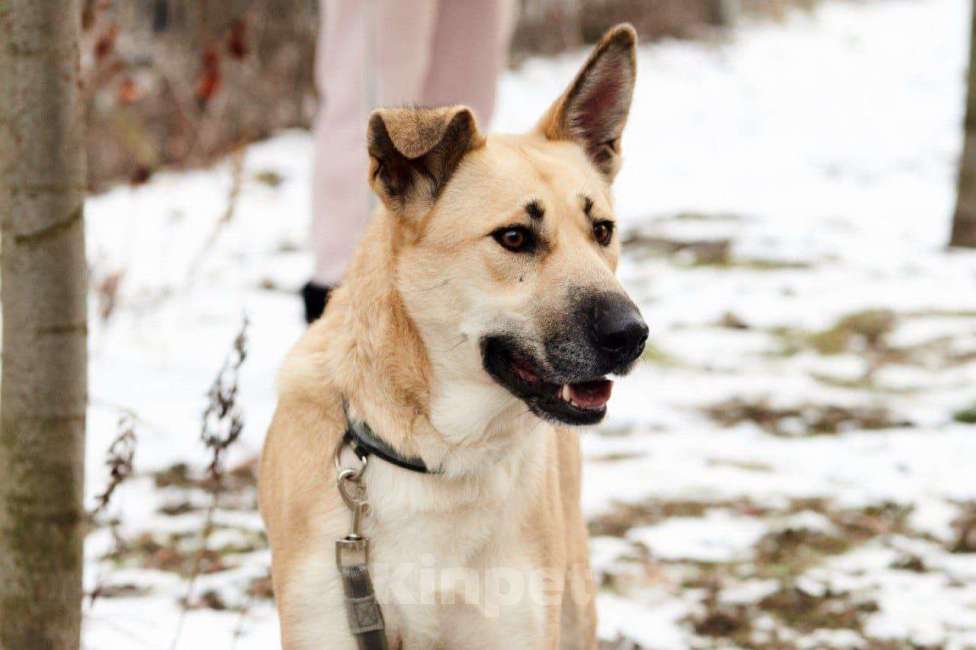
339 194
402 47
470 52
368 51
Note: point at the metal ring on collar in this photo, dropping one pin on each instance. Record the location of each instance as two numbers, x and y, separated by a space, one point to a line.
354 497
337 459
347 477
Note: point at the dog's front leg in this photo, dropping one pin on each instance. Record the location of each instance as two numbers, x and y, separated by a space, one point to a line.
311 604
578 611
309 588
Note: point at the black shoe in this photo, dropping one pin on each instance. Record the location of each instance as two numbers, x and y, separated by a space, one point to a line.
315 297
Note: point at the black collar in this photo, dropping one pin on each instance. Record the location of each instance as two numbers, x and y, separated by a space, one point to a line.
366 443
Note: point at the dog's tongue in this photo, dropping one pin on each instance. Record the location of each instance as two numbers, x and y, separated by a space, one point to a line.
591 394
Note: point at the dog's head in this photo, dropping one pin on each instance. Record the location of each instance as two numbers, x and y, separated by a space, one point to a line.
506 246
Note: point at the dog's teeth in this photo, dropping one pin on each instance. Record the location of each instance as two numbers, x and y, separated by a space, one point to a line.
567 394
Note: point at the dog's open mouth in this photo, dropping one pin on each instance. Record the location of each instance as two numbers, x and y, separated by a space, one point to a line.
574 402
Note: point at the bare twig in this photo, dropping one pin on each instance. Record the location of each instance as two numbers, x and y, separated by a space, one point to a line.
222 419
223 423
129 414
241 619
233 194
121 453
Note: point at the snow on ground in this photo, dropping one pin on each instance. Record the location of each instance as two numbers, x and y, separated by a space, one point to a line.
785 469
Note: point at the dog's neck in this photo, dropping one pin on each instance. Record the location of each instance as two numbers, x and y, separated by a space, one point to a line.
379 362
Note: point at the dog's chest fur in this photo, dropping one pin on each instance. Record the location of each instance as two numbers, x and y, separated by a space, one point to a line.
460 544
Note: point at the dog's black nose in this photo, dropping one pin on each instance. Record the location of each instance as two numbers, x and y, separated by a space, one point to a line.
619 331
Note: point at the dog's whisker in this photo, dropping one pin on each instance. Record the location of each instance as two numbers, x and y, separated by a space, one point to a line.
461 340
443 283
451 346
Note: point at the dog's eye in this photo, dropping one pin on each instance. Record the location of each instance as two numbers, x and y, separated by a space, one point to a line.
603 231
517 239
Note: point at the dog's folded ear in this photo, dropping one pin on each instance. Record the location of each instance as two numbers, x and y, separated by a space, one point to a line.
593 110
414 151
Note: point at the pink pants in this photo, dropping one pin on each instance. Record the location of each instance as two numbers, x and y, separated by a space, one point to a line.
387 53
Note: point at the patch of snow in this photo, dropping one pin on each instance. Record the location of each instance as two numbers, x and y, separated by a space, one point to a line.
654 622
715 537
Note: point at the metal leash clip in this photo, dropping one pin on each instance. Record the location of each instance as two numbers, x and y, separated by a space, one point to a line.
352 557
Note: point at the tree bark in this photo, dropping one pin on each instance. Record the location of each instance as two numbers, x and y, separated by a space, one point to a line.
44 377
964 221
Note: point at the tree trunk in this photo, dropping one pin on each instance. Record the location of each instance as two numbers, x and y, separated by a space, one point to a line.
44 385
964 221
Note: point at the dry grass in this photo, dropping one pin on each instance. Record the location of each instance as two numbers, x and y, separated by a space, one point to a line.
803 419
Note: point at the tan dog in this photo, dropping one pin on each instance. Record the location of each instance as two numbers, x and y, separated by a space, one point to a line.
481 311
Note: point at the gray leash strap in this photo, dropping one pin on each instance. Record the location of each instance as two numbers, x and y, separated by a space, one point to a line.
364 613
352 559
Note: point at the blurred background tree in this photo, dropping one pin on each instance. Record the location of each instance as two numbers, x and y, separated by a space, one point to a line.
964 221
43 396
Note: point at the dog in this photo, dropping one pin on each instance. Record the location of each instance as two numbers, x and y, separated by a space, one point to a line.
477 323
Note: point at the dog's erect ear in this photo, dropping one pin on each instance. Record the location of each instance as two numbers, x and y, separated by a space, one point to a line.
593 110
414 151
